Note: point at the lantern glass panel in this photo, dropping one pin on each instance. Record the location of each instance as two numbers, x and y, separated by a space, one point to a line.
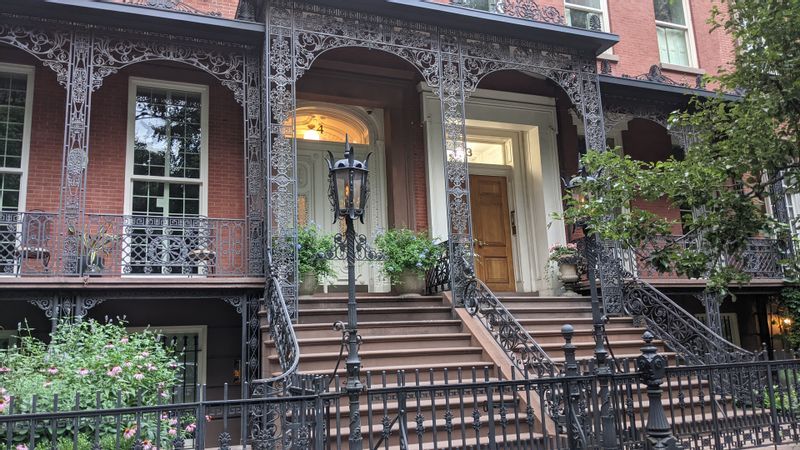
357 180
342 187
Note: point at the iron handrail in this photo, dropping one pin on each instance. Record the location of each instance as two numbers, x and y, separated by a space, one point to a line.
281 329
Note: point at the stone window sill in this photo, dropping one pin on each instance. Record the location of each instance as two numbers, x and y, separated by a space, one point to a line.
684 69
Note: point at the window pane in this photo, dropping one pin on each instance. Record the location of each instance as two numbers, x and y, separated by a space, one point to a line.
148 198
672 46
9 191
590 3
13 92
150 132
486 153
670 11
583 19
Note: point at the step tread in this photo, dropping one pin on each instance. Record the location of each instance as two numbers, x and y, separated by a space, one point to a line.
465 365
392 352
379 324
386 338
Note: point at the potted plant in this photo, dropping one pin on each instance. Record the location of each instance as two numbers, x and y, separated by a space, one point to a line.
408 256
312 248
566 257
94 245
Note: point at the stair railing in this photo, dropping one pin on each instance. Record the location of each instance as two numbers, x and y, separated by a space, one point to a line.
281 331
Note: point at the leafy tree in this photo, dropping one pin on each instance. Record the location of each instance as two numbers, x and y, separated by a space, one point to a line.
740 151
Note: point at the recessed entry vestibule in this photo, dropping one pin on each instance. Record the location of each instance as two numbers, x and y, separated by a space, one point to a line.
515 185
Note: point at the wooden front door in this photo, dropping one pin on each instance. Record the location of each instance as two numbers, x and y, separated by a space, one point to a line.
491 230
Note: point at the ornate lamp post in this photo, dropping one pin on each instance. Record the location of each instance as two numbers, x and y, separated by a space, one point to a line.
348 194
608 436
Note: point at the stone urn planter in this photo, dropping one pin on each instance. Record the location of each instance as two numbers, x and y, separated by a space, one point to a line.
409 282
568 274
308 283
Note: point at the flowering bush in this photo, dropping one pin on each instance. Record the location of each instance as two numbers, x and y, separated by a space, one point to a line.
407 250
564 254
90 365
312 245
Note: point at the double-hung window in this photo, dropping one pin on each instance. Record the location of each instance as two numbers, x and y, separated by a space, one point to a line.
673 26
587 14
167 167
16 101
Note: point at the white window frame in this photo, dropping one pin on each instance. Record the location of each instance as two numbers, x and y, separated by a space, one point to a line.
202 343
603 12
688 30
134 83
29 72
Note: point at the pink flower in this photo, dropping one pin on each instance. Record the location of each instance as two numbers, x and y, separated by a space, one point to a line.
150 366
109 345
83 372
208 418
138 376
114 371
145 354
172 431
21 447
147 445
191 427
163 394
129 432
124 340
52 370
5 369
173 365
173 422
4 400
128 364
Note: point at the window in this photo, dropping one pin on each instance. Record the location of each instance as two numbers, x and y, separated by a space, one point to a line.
7 339
16 90
189 344
167 170
673 29
587 14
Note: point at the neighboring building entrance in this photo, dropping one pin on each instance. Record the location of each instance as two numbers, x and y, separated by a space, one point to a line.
491 229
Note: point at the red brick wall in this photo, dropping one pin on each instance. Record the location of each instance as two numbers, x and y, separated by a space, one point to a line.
108 136
108 141
47 133
226 8
634 22
648 141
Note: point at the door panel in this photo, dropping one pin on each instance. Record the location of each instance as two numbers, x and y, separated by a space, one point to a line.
491 228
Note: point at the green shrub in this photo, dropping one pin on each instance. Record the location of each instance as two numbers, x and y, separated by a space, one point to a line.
83 360
786 400
312 246
407 250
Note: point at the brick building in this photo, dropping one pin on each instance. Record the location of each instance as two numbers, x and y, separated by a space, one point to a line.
154 150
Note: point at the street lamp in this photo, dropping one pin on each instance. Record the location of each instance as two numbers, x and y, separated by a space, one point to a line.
349 190
591 251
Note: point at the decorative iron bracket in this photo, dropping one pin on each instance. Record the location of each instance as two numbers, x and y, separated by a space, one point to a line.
364 252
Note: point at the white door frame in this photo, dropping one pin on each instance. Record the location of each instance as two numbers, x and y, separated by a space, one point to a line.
531 121
376 219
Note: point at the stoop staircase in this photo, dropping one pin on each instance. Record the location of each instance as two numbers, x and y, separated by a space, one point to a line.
417 338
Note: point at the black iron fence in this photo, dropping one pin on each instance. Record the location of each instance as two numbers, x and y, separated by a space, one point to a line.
724 406
32 243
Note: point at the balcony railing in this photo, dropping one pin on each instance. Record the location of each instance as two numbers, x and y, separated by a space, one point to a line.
760 259
520 9
31 244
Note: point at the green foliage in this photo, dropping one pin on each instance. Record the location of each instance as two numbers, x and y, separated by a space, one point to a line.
790 301
740 150
786 400
564 254
407 250
312 245
83 360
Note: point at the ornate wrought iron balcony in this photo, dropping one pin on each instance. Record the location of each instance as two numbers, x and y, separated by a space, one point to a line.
32 243
520 9
761 258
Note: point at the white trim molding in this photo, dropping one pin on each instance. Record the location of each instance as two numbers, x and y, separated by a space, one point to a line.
30 73
529 122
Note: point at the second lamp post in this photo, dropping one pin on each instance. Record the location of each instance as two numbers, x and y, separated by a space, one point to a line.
349 191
